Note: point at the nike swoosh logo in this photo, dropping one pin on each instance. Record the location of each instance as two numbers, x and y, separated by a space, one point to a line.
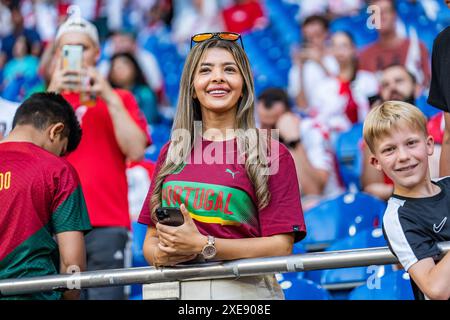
440 226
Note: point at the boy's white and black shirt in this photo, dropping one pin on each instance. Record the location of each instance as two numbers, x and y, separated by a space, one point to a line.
414 226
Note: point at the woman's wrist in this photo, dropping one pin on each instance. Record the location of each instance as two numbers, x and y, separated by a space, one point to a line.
200 243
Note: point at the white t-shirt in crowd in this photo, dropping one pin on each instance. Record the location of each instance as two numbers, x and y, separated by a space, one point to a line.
316 142
7 112
312 74
328 106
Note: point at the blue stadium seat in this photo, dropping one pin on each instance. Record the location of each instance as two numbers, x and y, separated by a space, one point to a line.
160 133
340 217
410 10
303 289
344 278
138 234
426 30
282 16
422 104
393 286
349 156
138 260
357 27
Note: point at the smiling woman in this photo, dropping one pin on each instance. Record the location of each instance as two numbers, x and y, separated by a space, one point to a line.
232 208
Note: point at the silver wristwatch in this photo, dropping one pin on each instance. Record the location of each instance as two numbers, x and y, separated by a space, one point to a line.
209 250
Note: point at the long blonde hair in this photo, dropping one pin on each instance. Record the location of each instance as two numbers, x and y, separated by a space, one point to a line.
188 111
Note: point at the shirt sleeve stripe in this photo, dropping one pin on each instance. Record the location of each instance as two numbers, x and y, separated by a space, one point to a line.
396 235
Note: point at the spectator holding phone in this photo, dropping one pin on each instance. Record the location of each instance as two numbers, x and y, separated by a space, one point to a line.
43 212
114 131
234 205
341 100
312 62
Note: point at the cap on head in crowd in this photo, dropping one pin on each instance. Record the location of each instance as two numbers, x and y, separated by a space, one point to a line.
78 24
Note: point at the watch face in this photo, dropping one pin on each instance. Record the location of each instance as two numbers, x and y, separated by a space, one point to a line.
209 251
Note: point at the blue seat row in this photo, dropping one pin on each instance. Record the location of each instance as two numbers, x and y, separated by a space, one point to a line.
341 217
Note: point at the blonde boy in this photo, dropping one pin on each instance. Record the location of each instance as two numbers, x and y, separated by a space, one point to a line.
415 220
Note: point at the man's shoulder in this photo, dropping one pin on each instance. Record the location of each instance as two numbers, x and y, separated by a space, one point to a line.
370 48
443 36
407 209
400 208
40 159
55 164
443 182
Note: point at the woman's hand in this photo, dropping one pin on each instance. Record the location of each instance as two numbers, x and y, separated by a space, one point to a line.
65 80
161 258
182 240
289 126
99 86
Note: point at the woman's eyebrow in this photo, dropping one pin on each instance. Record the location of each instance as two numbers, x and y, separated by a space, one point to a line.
210 64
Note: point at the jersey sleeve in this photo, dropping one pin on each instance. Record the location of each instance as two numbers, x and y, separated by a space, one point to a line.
406 239
132 107
145 215
69 211
284 213
436 95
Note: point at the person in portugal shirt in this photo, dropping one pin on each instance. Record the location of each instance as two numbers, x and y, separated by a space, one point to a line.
237 190
41 196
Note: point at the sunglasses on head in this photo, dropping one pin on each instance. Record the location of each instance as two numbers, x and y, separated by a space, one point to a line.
228 36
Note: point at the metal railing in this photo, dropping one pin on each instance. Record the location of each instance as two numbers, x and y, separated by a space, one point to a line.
212 270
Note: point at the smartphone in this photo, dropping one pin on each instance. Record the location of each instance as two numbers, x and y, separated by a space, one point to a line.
373 99
72 57
170 216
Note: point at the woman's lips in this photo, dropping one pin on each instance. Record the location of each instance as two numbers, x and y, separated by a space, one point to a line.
217 92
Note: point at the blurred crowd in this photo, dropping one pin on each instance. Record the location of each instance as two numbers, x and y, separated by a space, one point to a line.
327 74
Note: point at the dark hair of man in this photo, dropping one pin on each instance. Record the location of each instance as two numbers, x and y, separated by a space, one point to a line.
272 95
43 109
411 75
317 18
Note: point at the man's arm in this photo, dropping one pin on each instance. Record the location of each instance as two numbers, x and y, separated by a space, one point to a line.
433 279
131 139
444 164
72 255
312 180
